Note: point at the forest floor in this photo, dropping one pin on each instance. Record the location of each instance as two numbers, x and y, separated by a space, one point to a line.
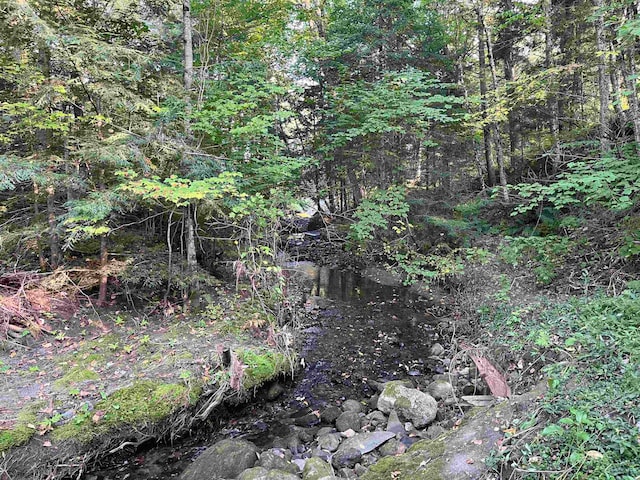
100 382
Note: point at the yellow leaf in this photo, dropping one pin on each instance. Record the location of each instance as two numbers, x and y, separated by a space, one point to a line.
594 454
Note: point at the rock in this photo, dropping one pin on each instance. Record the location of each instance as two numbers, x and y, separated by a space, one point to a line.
360 470
307 420
255 473
274 391
261 473
307 435
330 414
376 418
315 469
352 406
452 378
366 442
346 457
436 350
479 400
323 454
329 442
393 424
348 420
347 473
417 407
392 447
272 461
348 433
225 459
440 389
434 431
325 430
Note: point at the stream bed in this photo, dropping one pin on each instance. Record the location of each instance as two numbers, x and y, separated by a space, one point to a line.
360 333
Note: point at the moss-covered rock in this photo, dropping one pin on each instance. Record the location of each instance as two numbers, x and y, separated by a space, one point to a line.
23 429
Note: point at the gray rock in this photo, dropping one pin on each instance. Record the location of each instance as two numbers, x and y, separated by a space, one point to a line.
394 425
376 419
347 473
348 420
417 407
352 406
366 442
329 442
440 389
225 459
325 430
390 448
307 420
346 458
437 350
323 454
330 414
272 461
360 470
434 431
255 473
316 468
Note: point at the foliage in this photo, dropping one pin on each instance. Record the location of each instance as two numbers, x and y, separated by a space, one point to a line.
544 254
381 210
611 181
595 396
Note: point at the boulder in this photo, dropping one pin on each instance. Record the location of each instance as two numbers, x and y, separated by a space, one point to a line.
440 389
348 420
346 458
366 442
316 468
330 414
417 407
352 406
226 459
272 461
329 442
261 473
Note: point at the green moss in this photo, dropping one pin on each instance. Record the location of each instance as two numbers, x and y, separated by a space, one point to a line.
262 366
145 401
24 428
423 461
76 375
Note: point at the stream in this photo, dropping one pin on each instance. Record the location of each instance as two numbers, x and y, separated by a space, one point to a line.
362 333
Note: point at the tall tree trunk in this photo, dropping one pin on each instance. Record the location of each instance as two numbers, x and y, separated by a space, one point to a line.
552 101
104 277
603 79
630 82
496 127
486 129
512 117
54 239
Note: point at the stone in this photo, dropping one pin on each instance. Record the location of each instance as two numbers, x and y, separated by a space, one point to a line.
348 420
346 458
325 430
272 461
392 447
366 442
261 473
352 406
415 406
274 391
225 459
307 420
440 389
315 469
329 442
434 431
330 414
436 350
323 454
376 418
394 425
360 470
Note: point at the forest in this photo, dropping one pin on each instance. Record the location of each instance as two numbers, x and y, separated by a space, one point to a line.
161 161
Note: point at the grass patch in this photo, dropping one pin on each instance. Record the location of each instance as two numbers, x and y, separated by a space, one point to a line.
76 375
592 412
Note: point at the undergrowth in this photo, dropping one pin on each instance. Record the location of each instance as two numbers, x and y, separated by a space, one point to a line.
588 426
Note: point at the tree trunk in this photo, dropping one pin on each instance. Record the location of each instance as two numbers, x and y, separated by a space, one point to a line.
630 82
603 80
187 40
552 101
495 125
104 277
54 239
486 129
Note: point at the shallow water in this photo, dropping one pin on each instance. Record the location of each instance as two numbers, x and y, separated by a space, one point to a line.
361 332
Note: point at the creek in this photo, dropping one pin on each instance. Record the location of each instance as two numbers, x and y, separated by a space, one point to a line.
360 333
